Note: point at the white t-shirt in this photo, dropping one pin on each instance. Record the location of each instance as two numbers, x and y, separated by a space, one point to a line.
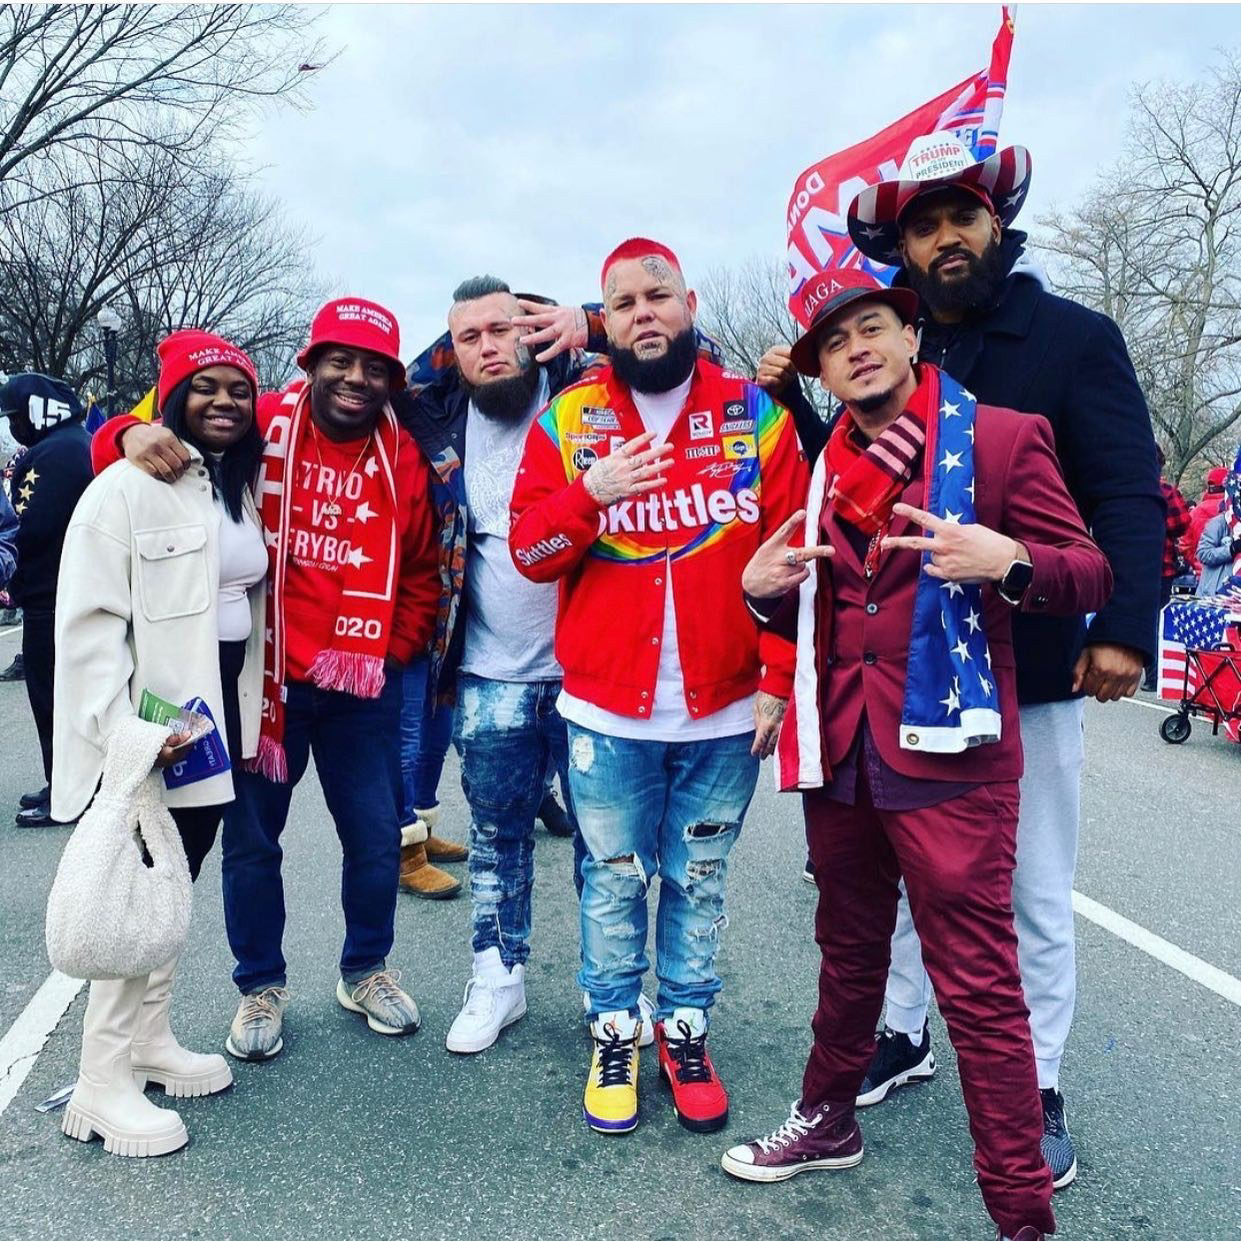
670 719
243 561
510 624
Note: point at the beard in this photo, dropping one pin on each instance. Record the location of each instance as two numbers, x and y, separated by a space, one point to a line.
673 367
976 291
875 401
506 400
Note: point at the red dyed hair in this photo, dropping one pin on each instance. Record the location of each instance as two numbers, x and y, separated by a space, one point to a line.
638 248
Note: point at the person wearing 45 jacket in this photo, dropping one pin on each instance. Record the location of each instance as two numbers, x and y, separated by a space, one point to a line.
644 491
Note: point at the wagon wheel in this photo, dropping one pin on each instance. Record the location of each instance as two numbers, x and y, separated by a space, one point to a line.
1175 729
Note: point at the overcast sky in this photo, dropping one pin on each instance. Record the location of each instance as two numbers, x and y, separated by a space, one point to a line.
527 140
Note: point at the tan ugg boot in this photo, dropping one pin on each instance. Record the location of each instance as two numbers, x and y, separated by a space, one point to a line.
438 849
418 876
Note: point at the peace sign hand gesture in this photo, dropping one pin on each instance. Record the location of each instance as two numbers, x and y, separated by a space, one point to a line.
777 566
959 553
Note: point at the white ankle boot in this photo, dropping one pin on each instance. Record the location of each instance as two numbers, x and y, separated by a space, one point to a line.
156 1055
106 1100
495 997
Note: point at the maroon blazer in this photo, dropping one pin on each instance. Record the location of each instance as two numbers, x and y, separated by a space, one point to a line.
863 651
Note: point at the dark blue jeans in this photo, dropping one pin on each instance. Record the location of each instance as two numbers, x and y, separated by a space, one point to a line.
426 733
506 732
357 756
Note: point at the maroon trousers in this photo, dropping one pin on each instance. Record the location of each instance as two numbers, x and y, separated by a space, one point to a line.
957 860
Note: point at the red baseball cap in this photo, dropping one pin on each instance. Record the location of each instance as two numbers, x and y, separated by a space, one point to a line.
829 291
185 353
357 324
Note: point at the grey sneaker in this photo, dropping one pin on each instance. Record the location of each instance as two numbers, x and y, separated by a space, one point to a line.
256 1032
387 1009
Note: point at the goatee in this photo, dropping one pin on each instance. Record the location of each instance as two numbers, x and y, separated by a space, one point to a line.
672 368
976 291
506 400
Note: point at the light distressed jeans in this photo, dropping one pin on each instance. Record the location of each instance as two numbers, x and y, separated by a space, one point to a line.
647 808
1051 737
507 733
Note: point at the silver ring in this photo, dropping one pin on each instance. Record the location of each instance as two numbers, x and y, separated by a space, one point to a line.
790 557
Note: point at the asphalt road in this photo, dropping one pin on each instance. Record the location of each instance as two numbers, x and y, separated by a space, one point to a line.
349 1133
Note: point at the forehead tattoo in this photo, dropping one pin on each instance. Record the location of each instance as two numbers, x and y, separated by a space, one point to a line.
656 267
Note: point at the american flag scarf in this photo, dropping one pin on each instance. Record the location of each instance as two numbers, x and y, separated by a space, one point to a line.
951 699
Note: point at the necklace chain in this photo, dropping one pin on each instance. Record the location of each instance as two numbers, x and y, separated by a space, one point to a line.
333 509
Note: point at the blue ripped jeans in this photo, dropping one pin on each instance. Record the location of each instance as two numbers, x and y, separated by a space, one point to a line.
506 733
647 808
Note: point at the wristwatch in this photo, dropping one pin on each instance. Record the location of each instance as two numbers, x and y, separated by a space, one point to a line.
1015 582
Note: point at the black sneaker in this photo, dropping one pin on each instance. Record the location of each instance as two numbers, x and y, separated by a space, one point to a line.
553 816
1057 1144
808 871
897 1061
28 801
16 671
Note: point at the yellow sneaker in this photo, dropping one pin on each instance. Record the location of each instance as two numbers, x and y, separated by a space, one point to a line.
610 1104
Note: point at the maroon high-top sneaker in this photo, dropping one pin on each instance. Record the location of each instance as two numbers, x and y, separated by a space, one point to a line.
828 1137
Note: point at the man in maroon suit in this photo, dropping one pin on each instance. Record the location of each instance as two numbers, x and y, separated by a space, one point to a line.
903 727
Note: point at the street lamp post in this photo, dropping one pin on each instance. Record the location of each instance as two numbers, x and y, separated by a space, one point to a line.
109 322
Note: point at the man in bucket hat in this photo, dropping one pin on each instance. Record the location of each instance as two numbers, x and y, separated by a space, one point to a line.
902 730
353 585
986 317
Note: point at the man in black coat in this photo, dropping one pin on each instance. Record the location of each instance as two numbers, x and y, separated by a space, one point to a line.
989 320
46 416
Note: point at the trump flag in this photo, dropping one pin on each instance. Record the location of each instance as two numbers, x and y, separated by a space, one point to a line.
818 238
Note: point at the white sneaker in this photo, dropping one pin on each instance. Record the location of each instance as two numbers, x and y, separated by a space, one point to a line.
646 1012
495 997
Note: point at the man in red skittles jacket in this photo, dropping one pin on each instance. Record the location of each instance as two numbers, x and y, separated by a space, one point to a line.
645 489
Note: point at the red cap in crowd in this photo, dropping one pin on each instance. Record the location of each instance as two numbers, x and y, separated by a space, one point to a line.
638 248
1217 477
357 324
189 351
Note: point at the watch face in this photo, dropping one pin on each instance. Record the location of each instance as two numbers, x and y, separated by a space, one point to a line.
1018 577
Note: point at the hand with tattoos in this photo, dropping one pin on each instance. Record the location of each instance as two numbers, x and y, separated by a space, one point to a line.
768 716
559 328
633 468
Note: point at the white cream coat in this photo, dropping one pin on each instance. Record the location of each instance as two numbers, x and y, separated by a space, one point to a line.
136 609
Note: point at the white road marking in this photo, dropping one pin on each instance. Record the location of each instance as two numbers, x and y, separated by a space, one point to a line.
20 1046
1194 968
1150 706
4 633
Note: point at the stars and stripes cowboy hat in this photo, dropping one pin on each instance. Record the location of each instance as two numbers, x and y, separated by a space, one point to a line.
933 162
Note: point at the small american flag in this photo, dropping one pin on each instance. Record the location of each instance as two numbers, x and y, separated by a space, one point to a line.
1200 625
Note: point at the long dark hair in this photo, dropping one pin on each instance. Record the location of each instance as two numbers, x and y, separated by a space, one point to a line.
236 468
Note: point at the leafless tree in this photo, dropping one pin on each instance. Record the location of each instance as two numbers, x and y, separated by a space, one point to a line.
171 246
1157 246
109 80
746 310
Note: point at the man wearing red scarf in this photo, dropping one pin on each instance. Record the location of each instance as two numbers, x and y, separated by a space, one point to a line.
893 626
353 588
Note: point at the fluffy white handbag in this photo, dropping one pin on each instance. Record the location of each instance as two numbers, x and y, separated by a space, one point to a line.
109 915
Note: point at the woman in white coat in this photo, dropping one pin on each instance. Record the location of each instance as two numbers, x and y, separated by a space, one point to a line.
162 588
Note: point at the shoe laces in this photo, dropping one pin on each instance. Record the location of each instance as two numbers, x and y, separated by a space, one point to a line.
615 1059
479 999
690 1053
797 1126
1053 1112
381 987
261 1007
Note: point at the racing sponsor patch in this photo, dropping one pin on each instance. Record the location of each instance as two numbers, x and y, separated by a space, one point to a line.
585 437
738 447
584 458
734 425
702 450
700 427
598 416
734 409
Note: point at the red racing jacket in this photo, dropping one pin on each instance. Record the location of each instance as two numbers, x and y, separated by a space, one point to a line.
737 474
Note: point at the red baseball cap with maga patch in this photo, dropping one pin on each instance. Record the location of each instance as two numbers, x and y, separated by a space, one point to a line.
829 291
357 324
185 353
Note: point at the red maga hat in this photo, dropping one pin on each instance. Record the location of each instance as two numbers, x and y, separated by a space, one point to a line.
185 353
829 291
357 324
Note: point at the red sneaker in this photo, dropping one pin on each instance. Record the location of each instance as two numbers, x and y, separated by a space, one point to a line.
698 1095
